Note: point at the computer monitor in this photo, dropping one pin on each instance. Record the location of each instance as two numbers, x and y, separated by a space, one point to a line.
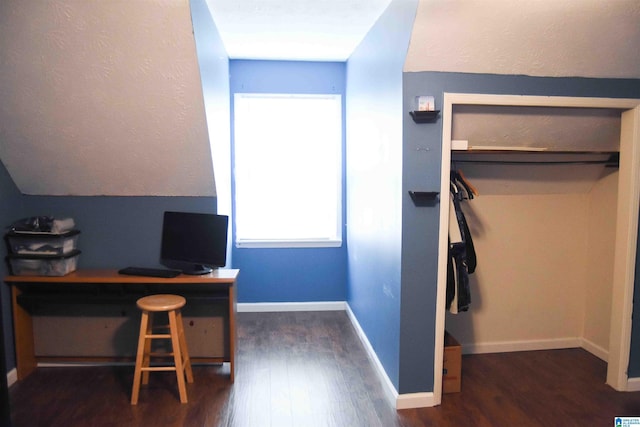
194 243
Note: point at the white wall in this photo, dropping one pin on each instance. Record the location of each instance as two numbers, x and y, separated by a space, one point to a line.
528 289
600 259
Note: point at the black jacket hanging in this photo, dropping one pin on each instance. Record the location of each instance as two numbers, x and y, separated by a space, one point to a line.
462 259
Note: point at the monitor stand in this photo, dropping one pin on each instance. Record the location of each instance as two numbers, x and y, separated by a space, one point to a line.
197 270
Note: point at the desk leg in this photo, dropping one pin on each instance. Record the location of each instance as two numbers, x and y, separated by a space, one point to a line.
23 332
232 331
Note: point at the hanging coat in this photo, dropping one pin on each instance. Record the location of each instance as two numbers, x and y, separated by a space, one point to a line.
462 257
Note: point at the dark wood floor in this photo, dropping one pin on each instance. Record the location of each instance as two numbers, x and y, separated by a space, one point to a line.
309 369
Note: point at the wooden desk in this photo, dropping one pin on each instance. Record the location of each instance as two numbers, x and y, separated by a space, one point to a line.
100 286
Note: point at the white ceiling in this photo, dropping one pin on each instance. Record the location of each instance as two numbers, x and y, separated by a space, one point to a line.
311 30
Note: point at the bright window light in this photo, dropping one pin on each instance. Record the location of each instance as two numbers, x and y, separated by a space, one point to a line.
287 170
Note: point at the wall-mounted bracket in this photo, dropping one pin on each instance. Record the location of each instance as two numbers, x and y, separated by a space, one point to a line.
425 116
424 198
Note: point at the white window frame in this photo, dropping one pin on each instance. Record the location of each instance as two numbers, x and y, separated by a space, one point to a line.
332 233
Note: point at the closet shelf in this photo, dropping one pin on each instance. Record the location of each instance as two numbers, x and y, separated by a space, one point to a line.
536 156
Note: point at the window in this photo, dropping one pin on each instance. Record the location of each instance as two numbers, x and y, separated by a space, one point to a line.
288 170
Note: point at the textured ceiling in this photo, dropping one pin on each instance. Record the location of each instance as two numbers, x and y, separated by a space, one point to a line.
102 98
311 30
81 112
586 38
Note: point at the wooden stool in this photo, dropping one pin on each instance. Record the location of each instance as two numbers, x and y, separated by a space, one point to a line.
171 304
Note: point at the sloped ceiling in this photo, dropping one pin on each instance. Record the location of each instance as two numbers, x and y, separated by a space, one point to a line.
586 38
104 97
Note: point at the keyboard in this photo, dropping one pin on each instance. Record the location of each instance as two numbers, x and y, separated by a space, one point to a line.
150 272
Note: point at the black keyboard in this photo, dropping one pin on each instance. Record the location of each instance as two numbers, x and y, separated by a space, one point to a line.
150 272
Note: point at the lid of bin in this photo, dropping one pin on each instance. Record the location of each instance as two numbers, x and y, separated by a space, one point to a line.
42 234
49 257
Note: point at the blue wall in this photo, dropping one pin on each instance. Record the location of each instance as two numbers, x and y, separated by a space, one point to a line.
374 187
289 275
423 172
11 209
117 231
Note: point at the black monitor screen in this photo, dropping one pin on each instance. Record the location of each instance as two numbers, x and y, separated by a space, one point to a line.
194 242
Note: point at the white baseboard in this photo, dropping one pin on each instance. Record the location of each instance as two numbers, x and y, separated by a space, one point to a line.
257 307
12 377
399 401
600 352
529 345
532 345
415 400
389 389
633 384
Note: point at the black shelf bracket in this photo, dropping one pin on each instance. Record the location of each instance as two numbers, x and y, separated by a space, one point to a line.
424 116
424 198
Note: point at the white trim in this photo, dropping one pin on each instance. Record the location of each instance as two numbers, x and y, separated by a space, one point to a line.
261 307
627 220
540 101
300 243
399 401
530 345
633 384
415 400
248 233
12 377
625 250
534 345
598 351
443 238
389 389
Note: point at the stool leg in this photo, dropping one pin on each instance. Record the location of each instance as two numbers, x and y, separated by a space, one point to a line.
175 343
184 351
139 358
146 358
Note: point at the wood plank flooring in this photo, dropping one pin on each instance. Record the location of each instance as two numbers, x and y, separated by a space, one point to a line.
310 369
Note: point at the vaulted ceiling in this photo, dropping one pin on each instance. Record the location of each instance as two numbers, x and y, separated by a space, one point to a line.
82 113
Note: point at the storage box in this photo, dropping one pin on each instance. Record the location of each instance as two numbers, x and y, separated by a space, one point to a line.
452 365
44 265
32 243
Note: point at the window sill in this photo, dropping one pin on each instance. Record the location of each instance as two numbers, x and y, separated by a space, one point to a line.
289 243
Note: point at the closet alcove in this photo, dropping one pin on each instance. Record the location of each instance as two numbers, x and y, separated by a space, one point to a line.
546 224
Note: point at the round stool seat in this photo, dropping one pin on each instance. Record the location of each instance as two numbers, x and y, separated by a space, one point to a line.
174 331
161 302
